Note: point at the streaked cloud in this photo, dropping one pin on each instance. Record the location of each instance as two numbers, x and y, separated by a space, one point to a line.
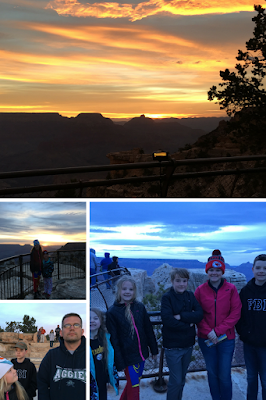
121 59
146 9
179 230
51 222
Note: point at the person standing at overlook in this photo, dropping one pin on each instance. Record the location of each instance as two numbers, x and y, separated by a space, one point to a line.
47 272
132 335
36 258
252 326
104 264
62 373
180 312
221 306
94 266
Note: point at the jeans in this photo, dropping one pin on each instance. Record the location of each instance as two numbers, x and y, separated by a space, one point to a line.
218 361
255 359
107 276
178 361
48 285
92 278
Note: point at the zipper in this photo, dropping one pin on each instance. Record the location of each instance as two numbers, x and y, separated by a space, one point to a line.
215 309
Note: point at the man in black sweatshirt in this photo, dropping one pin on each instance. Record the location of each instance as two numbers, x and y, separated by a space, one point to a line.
62 373
26 370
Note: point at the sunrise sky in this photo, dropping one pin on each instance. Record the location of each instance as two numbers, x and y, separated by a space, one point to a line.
121 59
179 230
50 316
51 223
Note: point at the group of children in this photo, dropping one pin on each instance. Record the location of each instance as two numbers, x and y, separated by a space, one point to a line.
41 264
18 377
216 308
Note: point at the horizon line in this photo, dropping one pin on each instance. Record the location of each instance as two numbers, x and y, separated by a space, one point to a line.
121 116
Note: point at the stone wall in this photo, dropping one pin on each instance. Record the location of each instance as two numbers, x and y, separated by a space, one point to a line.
36 351
8 341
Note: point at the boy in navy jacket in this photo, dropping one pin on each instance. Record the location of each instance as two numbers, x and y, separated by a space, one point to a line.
252 326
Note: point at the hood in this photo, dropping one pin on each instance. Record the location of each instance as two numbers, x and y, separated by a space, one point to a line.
26 361
78 350
93 251
253 287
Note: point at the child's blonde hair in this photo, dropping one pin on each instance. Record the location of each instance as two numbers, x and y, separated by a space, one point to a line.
20 391
127 278
101 332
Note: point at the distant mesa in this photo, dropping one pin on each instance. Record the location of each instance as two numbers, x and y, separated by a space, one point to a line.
141 121
94 119
74 246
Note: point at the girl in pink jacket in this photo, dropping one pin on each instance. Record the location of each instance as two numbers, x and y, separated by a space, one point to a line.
221 306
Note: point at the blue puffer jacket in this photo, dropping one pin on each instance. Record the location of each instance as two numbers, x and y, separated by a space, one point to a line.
106 261
112 372
47 268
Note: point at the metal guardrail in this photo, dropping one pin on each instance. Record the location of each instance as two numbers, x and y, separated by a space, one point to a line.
16 280
159 370
110 281
165 179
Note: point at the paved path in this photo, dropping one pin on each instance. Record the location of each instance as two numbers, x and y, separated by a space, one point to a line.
196 387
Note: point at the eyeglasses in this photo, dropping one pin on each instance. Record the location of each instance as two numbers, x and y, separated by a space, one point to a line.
76 326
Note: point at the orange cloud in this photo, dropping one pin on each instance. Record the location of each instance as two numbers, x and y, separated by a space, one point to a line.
141 47
145 9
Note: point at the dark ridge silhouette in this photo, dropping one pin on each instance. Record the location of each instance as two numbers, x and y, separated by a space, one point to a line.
74 246
11 250
49 140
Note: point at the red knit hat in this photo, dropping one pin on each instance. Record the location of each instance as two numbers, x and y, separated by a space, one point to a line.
215 261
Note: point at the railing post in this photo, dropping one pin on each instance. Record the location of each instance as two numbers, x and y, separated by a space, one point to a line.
159 385
168 174
58 273
80 188
21 275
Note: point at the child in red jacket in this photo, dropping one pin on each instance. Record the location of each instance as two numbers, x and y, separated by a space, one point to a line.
221 306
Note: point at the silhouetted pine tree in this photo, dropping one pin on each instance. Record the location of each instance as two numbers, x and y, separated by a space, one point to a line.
243 89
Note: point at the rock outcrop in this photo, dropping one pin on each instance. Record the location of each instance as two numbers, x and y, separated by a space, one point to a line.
160 279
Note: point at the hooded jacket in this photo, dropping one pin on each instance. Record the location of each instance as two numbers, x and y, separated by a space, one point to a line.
112 373
36 260
221 309
252 325
62 375
47 268
93 261
12 394
179 333
106 261
27 376
126 346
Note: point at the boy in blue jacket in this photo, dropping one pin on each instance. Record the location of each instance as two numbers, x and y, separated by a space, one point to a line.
47 271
